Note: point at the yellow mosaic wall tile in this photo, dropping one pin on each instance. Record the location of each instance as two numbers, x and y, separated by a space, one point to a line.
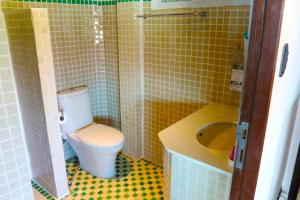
110 35
187 63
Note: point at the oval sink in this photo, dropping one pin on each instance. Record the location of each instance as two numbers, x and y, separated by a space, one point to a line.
219 136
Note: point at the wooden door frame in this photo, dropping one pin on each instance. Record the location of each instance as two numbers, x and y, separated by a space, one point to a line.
261 64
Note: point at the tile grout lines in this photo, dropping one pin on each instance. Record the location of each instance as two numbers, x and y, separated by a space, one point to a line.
140 180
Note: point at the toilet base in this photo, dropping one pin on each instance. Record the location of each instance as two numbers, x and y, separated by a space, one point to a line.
103 166
99 161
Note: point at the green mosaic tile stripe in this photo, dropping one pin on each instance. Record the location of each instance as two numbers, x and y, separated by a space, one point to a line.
80 2
42 191
124 1
85 2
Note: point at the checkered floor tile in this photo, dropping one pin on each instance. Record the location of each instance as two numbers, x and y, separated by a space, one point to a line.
135 180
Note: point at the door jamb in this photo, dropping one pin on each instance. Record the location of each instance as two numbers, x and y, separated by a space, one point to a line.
261 64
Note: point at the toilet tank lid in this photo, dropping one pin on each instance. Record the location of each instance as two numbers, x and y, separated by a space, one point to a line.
72 92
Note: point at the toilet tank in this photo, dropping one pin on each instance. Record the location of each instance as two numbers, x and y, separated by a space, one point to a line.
75 105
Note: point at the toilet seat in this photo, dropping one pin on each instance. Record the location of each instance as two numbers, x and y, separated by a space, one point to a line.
99 135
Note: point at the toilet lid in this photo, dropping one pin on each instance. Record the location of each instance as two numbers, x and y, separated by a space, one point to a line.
100 135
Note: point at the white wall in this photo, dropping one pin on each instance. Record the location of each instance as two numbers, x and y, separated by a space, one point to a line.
292 155
283 109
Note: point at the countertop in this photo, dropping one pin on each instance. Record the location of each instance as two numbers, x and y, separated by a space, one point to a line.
180 138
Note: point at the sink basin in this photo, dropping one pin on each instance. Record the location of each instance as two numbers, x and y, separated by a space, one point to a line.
213 121
219 136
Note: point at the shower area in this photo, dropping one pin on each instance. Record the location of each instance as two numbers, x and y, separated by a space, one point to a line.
144 73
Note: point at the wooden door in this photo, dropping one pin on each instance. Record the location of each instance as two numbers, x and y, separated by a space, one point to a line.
262 56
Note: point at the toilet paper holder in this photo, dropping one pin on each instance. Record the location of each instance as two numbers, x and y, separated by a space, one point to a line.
62 117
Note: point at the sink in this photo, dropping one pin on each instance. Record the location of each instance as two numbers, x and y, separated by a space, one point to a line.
219 136
205 136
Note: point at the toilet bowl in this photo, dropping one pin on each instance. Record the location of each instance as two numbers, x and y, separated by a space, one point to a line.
97 147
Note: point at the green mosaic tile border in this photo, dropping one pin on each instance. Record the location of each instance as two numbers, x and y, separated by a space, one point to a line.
79 2
42 191
85 2
124 1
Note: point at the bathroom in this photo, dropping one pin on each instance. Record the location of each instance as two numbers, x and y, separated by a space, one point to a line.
143 66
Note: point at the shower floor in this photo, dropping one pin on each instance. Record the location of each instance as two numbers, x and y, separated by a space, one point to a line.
135 180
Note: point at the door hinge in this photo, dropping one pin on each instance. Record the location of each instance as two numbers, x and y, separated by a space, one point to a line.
242 136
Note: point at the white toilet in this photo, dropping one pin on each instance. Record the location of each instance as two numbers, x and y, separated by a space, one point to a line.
96 145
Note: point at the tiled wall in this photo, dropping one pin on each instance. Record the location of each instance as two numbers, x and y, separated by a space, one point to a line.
187 63
193 181
147 73
14 166
167 170
78 49
30 46
78 39
80 59
40 20
130 67
110 35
